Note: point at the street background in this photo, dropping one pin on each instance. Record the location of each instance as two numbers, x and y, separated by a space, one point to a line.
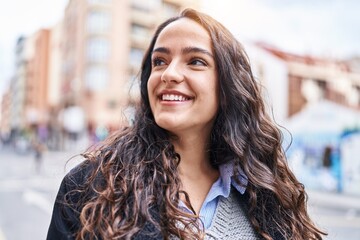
27 196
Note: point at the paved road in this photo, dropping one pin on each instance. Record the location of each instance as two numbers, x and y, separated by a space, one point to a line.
26 199
337 214
26 196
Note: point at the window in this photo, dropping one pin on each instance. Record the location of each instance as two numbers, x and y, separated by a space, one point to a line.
136 56
139 30
322 87
98 50
146 6
98 22
170 10
96 78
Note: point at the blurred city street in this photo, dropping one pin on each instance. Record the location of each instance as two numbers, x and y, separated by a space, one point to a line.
26 198
26 195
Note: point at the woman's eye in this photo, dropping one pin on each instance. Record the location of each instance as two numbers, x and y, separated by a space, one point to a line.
158 62
198 62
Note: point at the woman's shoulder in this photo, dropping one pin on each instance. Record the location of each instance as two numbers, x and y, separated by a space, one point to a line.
69 202
80 173
76 182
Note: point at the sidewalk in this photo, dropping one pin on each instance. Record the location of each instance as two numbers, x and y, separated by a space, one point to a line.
333 200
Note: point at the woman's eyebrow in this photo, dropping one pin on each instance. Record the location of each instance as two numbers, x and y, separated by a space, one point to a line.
185 50
161 50
196 50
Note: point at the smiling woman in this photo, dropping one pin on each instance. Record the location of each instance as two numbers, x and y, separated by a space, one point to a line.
187 71
203 159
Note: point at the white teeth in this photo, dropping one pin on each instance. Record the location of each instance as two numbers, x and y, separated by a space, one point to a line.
173 97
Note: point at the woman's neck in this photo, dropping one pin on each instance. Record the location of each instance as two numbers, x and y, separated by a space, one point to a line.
194 154
196 172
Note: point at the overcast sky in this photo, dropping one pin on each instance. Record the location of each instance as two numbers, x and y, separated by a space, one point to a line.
23 17
329 28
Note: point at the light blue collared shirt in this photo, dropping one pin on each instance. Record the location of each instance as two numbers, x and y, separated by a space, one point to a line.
221 187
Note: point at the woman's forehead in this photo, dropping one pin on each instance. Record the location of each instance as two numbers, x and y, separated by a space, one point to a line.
183 30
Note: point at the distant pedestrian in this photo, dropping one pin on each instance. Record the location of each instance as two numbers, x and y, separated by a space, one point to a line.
38 148
327 162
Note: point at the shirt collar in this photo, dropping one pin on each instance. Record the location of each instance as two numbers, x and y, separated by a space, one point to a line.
228 178
222 186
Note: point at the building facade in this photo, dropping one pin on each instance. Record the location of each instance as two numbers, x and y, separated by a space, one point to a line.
104 42
81 75
37 79
16 95
307 80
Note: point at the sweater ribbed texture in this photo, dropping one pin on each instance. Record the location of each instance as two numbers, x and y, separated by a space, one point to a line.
230 221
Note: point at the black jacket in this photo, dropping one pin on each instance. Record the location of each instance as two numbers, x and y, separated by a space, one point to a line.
65 221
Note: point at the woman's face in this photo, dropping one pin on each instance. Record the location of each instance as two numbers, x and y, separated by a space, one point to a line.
183 87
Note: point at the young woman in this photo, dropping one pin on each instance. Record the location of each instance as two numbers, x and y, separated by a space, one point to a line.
203 159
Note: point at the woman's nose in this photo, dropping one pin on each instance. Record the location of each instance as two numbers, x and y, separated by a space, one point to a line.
173 73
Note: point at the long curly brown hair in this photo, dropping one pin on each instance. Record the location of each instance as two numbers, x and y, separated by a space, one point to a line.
135 179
